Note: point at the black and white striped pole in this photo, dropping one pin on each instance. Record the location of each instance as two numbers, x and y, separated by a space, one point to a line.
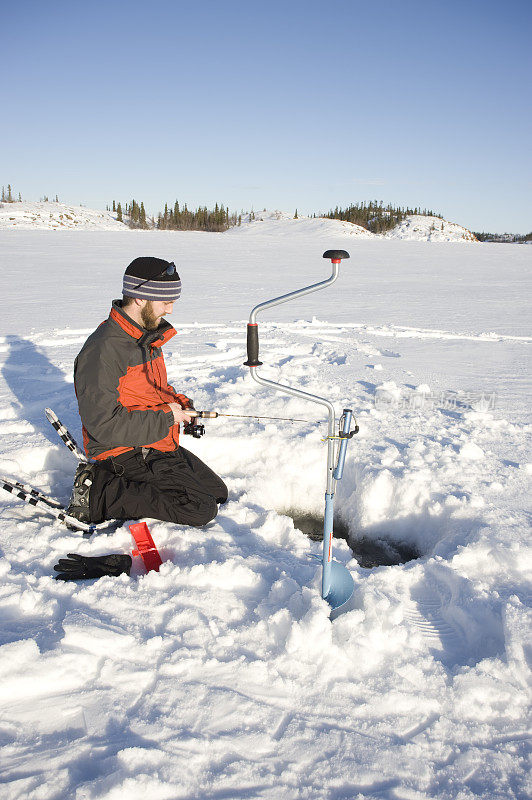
337 582
65 435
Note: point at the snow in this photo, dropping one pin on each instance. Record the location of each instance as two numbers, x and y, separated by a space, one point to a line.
430 229
55 216
415 227
281 224
222 676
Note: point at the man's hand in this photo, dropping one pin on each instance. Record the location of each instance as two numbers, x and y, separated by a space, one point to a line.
181 414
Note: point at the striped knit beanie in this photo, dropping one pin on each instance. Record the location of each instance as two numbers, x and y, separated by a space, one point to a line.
152 278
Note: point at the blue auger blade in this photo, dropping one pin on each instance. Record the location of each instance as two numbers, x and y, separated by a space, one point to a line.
341 589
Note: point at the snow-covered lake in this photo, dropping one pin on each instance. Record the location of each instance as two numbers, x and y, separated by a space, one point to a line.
222 676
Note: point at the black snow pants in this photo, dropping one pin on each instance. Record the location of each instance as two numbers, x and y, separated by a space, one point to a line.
175 487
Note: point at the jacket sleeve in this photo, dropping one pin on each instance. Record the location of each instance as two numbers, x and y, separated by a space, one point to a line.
183 400
97 374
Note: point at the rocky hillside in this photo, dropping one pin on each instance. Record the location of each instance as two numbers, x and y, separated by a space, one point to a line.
430 229
56 216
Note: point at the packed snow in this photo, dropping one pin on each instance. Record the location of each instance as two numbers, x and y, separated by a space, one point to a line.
222 676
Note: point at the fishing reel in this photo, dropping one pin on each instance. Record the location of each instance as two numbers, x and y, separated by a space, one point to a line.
193 428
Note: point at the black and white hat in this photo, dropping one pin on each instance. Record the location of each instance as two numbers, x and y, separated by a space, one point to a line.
150 278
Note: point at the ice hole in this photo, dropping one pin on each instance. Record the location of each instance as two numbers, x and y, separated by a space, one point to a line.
369 552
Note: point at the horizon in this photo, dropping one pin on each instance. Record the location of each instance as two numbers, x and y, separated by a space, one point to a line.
153 215
303 107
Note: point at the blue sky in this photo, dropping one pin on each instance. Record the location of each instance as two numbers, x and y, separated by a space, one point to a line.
273 104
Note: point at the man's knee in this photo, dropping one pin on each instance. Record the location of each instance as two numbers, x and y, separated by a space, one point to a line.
204 515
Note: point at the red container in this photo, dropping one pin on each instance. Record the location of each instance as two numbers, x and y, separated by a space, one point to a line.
145 546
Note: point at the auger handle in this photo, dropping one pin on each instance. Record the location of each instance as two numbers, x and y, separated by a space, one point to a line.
253 346
335 256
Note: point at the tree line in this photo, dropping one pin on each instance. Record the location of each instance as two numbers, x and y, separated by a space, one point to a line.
375 216
8 195
372 215
503 238
175 218
133 214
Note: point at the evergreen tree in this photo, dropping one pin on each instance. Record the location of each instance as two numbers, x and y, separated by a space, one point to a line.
142 217
201 219
9 197
119 213
295 215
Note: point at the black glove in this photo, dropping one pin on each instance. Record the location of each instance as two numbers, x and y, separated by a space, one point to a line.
76 567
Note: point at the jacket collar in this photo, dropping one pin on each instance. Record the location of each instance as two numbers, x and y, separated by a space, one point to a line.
156 338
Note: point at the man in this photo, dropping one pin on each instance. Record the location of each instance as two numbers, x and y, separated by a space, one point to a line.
131 416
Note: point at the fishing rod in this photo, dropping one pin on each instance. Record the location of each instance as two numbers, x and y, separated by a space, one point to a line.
213 414
197 431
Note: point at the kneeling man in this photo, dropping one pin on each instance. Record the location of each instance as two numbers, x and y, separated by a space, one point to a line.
131 415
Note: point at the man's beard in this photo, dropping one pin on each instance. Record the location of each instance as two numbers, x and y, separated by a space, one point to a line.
149 320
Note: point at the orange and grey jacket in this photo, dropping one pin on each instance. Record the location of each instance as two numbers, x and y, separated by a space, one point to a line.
122 388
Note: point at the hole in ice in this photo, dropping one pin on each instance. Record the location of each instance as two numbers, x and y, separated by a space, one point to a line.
367 551
382 552
312 524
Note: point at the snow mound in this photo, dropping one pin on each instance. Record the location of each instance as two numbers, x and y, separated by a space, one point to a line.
281 223
56 216
430 229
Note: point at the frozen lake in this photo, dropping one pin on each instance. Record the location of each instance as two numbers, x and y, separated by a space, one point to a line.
222 676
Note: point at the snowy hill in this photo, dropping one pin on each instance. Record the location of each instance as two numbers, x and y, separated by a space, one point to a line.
56 216
417 228
413 228
280 223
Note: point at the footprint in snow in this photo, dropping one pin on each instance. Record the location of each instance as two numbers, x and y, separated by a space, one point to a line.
457 625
